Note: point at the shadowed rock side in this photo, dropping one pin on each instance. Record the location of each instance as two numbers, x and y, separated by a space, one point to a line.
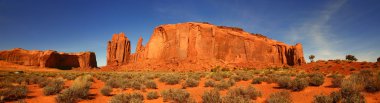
49 58
198 46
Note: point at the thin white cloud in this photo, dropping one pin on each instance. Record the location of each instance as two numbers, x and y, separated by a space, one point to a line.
316 30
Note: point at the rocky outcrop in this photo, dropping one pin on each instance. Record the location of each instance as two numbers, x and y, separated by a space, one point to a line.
118 50
194 45
49 58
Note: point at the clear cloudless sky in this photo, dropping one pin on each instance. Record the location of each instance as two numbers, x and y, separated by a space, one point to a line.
329 29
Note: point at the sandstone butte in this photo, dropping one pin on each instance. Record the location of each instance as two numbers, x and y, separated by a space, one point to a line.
201 46
49 58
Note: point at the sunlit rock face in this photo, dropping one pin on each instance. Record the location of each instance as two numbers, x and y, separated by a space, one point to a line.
200 46
49 58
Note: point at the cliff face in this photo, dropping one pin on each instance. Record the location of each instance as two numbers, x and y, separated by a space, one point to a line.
49 58
203 45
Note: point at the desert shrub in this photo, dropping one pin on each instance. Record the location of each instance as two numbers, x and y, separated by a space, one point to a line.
220 75
246 93
67 96
351 95
128 75
54 87
69 76
244 75
211 96
151 84
14 92
5 84
236 78
43 82
302 75
137 85
372 85
336 81
335 96
190 83
355 81
298 84
316 79
196 76
114 82
209 83
171 79
127 98
257 80
224 84
152 95
176 95
79 89
229 99
322 99
106 90
280 97
284 81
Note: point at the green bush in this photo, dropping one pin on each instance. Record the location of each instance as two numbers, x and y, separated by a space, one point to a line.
171 79
151 84
209 83
54 87
176 95
316 79
152 95
298 84
280 97
322 99
106 90
211 96
127 98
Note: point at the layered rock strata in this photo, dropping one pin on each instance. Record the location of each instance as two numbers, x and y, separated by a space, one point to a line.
194 45
49 58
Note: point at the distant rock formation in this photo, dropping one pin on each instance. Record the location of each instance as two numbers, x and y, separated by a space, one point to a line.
118 50
49 58
195 46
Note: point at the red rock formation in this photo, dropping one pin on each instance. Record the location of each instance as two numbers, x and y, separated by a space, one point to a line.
49 58
195 46
118 50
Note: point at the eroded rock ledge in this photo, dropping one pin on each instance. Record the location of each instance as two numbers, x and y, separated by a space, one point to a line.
49 58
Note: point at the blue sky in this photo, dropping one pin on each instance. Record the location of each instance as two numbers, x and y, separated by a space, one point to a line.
329 29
